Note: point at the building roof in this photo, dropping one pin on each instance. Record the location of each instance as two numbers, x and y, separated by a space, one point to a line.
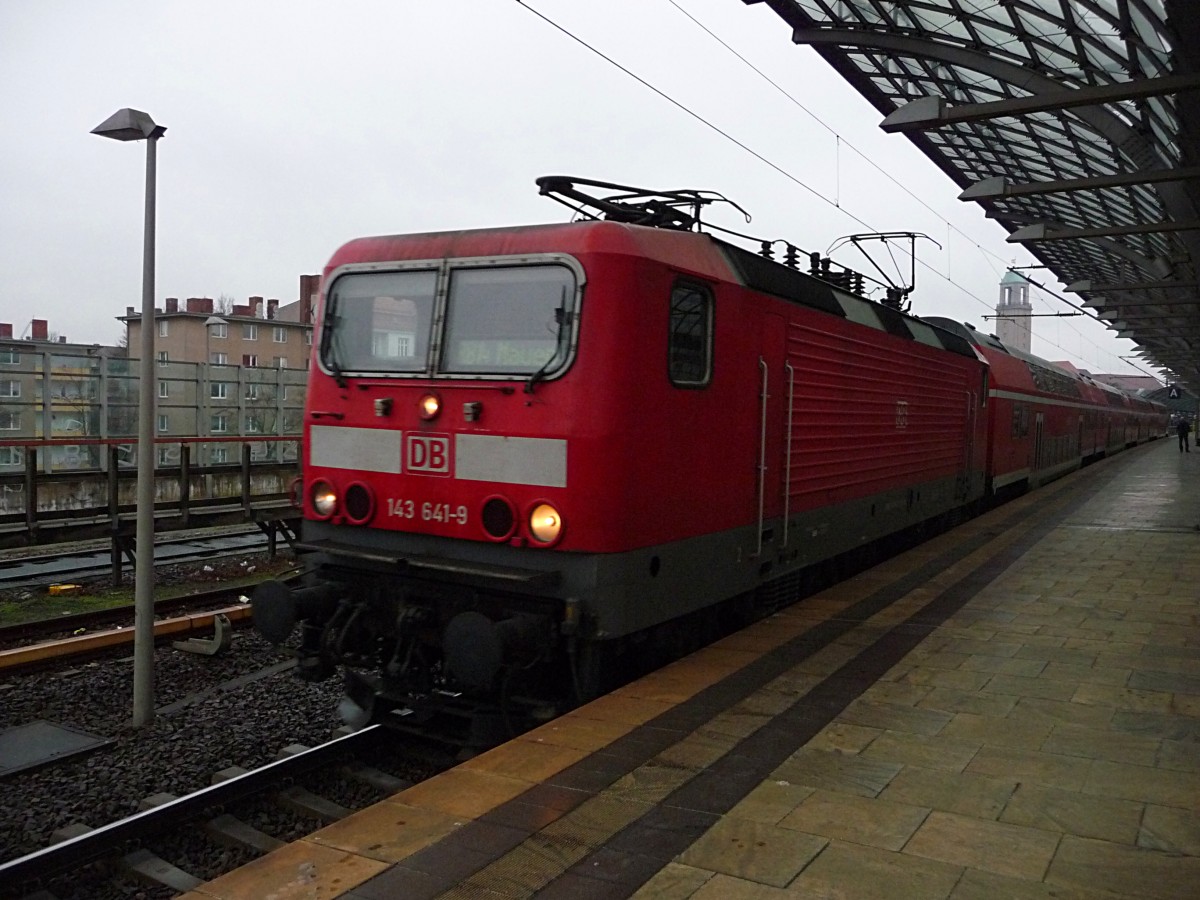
1131 383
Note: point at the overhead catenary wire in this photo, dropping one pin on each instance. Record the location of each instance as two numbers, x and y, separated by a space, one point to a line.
832 202
950 226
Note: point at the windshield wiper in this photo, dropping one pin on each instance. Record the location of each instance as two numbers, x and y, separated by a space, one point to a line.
328 352
563 319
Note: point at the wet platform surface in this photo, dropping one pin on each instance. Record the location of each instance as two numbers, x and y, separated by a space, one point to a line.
1010 710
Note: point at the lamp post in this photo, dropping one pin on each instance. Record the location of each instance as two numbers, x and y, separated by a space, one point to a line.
133 125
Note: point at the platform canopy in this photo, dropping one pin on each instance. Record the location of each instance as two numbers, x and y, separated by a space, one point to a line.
1073 123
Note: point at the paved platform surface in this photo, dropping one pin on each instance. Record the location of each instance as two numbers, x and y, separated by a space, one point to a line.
1011 710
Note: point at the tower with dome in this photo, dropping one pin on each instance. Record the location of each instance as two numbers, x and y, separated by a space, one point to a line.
1013 323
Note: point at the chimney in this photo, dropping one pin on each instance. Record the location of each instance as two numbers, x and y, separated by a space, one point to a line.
193 304
272 306
256 307
5 329
310 287
39 330
129 312
243 310
172 304
62 338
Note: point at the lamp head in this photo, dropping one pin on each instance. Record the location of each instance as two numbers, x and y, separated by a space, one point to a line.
129 125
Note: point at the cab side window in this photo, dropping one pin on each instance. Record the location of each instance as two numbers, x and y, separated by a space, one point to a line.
689 344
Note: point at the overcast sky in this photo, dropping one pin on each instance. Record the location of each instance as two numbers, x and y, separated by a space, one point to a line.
295 126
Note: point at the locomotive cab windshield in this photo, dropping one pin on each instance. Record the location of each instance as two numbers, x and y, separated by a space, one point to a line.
463 321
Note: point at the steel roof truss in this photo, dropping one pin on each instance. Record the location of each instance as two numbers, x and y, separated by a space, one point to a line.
933 112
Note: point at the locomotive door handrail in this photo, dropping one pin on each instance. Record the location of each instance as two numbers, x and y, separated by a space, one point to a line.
762 454
787 451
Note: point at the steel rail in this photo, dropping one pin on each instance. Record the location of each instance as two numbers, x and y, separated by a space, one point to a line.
41 865
11 577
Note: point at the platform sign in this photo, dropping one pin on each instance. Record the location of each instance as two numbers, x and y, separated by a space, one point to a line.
1172 392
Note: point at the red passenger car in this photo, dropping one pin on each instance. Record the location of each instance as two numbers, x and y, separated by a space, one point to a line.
1047 419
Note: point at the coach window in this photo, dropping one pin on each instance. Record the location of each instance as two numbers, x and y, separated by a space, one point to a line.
689 346
509 320
379 322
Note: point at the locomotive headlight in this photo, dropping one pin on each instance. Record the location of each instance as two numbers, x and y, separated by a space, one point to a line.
430 406
324 499
545 523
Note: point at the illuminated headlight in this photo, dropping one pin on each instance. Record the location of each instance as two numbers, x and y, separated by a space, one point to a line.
430 406
324 499
545 523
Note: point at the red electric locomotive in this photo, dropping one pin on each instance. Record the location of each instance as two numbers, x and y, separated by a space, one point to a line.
530 452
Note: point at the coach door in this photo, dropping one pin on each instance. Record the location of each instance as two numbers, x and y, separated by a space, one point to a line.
1038 426
774 385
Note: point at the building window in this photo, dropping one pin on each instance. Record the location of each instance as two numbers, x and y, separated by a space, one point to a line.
9 356
250 332
164 423
279 334
218 359
163 358
10 421
689 347
252 392
10 388
73 389
308 337
280 362
218 390
166 456
218 330
220 424
249 359
12 456
220 455
163 327
163 392
253 425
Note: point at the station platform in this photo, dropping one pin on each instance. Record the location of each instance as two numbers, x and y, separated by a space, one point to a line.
1009 710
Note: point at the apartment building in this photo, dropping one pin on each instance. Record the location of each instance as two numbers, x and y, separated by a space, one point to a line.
52 388
228 370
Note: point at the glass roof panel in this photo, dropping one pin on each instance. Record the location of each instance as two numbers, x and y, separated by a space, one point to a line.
998 37
1149 30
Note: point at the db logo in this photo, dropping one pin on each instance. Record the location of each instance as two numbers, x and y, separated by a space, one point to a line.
429 454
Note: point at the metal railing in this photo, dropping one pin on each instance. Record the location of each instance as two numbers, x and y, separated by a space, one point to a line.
39 507
74 404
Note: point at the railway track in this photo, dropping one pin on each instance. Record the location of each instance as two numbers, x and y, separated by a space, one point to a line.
52 641
201 827
23 633
94 559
